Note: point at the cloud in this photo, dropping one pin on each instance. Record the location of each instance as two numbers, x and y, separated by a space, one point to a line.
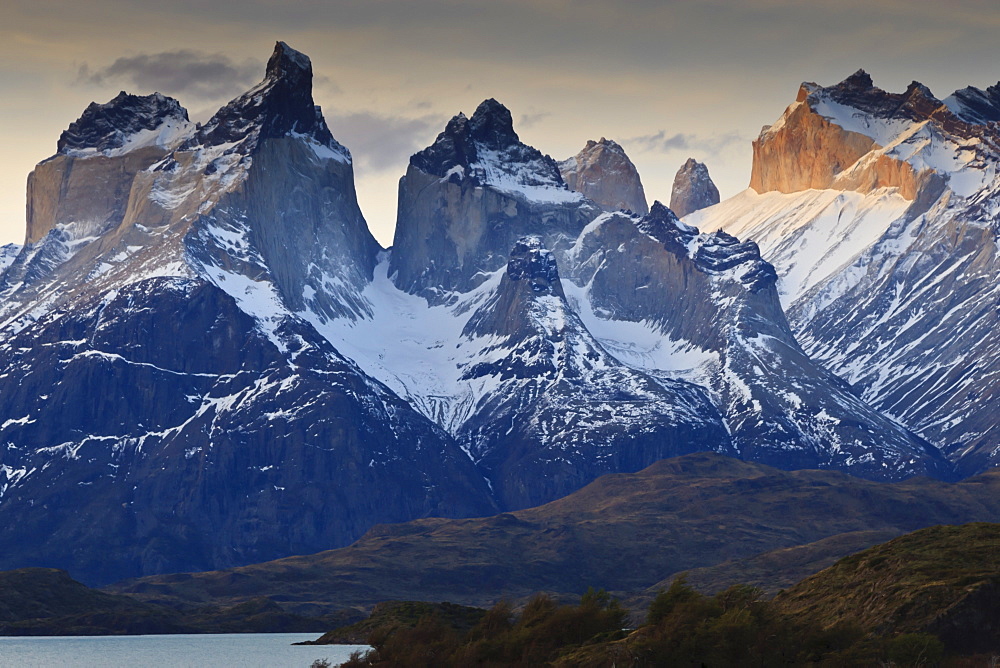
528 120
660 142
380 142
184 73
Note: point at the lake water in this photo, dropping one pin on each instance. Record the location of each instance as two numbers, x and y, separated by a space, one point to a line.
232 650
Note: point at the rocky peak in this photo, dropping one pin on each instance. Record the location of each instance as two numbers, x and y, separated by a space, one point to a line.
109 126
487 151
663 225
916 103
468 197
604 173
528 294
287 63
534 264
842 137
859 81
492 126
976 106
281 105
693 189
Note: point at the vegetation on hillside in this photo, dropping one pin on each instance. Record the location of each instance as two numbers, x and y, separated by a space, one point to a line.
930 598
683 628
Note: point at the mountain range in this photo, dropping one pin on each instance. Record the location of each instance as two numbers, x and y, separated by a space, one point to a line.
207 361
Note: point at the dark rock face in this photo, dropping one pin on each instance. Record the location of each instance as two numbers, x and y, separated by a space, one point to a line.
530 262
174 436
468 197
693 189
563 411
107 126
602 172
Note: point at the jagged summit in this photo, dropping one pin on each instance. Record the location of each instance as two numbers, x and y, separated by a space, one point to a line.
286 62
602 172
860 80
662 224
281 105
492 126
115 125
693 189
468 197
533 263
917 103
974 105
486 149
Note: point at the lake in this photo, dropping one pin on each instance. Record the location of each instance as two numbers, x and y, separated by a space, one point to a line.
230 650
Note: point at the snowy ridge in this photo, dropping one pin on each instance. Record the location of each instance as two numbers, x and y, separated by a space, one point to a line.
531 180
924 143
807 236
7 254
125 124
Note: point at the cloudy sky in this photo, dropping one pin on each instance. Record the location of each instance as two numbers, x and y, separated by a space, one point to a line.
668 79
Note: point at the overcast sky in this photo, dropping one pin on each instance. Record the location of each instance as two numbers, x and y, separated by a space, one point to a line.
666 79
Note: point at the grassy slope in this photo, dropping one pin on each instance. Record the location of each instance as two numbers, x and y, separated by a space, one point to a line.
944 580
46 601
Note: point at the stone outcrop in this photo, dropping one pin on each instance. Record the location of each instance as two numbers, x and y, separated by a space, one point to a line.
693 189
468 197
810 147
803 150
88 182
602 172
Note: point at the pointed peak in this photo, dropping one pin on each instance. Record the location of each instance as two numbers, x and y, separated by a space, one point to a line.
660 212
492 125
860 80
917 88
608 144
693 189
286 61
280 105
603 172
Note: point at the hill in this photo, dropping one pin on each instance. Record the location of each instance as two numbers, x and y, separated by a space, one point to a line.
623 532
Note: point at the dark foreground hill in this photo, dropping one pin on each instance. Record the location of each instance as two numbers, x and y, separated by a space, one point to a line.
623 532
47 601
943 580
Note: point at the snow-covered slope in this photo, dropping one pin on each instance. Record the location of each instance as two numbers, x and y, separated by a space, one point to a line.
808 236
669 300
879 211
7 254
